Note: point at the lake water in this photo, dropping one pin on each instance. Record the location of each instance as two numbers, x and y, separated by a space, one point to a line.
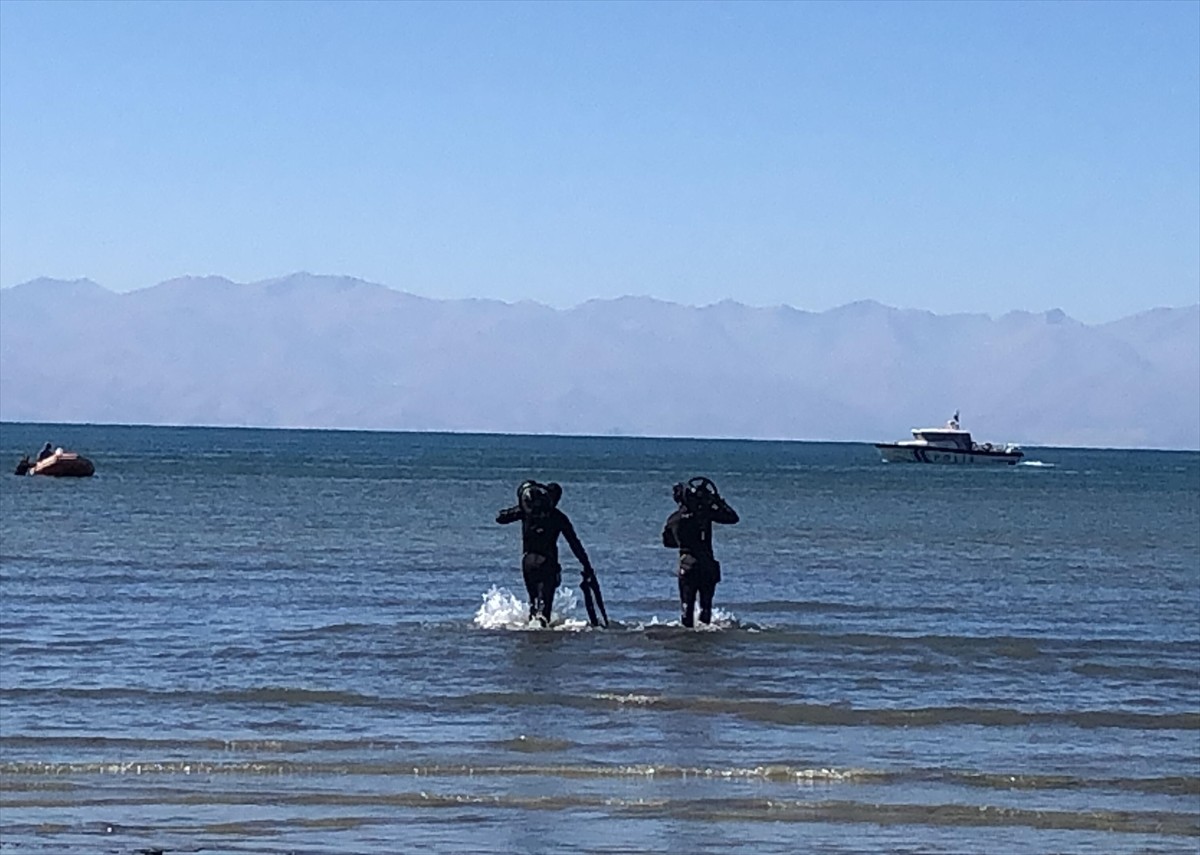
254 641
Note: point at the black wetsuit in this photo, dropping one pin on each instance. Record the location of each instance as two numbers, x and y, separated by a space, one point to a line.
539 564
699 572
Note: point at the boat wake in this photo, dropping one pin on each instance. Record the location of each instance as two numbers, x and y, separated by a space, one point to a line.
1036 464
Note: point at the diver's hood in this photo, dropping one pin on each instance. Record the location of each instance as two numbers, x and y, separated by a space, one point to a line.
535 498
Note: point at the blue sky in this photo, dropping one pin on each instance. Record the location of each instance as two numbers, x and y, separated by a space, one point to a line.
947 156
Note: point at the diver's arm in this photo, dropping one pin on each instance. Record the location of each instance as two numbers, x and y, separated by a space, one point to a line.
722 513
668 538
509 515
568 532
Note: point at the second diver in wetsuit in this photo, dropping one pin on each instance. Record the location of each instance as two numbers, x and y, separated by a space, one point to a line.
689 529
541 524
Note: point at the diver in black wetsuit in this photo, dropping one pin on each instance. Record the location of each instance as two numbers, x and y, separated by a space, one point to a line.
541 524
689 529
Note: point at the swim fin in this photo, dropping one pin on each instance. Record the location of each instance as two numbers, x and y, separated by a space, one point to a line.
593 599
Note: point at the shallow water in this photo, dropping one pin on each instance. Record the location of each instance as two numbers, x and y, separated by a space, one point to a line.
312 642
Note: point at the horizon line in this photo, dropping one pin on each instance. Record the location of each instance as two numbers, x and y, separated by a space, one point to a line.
551 435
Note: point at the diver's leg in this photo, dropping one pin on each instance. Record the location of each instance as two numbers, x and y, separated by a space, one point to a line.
687 600
550 582
707 589
535 602
540 610
532 585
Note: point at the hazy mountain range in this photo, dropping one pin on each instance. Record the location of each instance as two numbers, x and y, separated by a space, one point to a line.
337 352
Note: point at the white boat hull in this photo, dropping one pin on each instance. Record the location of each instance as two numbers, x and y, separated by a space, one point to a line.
905 453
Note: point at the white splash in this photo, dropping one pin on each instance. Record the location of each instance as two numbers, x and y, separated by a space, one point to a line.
635 700
721 620
1036 464
502 609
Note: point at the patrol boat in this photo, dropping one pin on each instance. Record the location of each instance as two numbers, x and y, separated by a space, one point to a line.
949 444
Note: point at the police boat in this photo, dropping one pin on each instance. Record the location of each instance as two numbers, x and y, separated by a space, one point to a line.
949 444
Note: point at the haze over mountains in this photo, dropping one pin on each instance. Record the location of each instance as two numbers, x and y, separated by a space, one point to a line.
337 352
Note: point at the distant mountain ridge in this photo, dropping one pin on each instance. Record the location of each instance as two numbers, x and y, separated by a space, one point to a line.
338 352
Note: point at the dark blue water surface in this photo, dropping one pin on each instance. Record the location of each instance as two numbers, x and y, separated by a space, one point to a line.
311 642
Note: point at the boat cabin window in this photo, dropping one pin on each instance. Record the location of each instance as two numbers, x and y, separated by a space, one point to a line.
955 439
